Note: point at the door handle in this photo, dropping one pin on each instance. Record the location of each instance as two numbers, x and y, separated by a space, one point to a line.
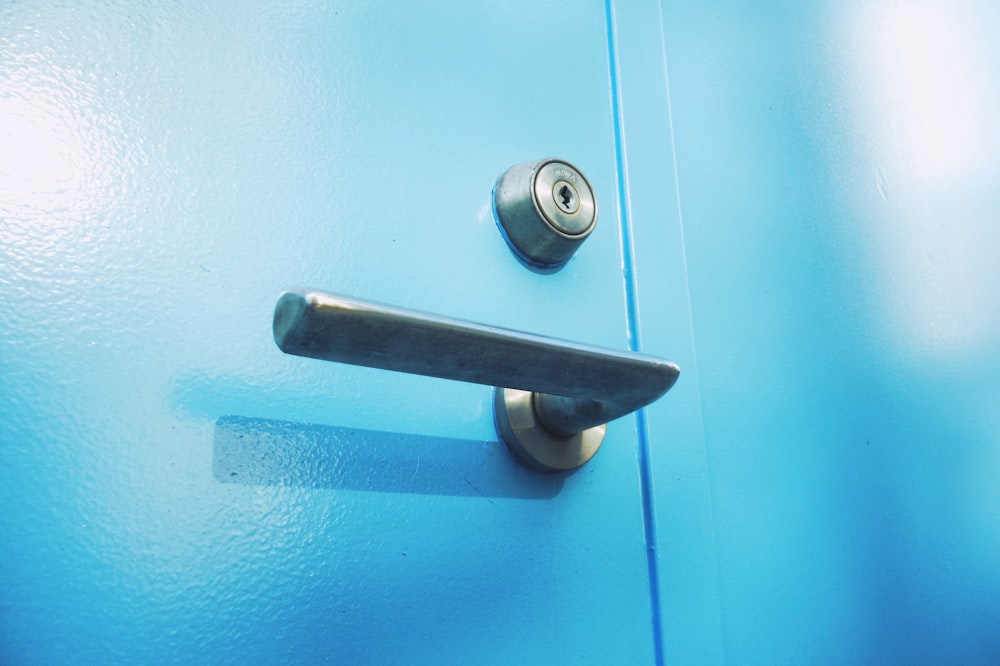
552 400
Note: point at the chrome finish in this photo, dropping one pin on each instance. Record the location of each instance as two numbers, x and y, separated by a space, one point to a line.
574 389
545 210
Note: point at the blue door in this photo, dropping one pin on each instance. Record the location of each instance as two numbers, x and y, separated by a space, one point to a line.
806 195
175 489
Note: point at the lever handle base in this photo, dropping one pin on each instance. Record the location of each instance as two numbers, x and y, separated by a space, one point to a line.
534 446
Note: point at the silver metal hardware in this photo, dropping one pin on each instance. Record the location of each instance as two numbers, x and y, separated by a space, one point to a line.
545 210
553 398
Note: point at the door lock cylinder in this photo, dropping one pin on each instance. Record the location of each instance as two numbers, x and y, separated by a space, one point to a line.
544 210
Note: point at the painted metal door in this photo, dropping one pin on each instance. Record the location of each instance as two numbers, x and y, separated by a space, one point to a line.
175 488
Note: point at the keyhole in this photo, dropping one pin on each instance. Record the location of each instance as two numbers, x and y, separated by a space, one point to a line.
566 197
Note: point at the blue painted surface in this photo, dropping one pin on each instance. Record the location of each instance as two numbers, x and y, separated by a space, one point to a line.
798 205
679 504
175 488
837 166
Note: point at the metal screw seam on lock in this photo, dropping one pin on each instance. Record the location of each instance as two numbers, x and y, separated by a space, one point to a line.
545 210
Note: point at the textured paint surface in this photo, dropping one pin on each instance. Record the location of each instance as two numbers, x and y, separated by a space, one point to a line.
838 166
177 490
809 206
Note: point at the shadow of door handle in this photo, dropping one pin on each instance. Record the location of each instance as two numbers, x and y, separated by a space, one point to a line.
553 398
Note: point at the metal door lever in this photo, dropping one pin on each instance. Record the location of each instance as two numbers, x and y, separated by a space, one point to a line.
553 398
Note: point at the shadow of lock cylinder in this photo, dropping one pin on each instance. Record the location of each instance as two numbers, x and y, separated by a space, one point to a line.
545 210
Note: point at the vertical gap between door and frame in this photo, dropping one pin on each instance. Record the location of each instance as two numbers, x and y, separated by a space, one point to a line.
632 323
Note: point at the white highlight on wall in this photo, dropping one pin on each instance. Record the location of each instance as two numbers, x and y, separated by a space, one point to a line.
925 76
